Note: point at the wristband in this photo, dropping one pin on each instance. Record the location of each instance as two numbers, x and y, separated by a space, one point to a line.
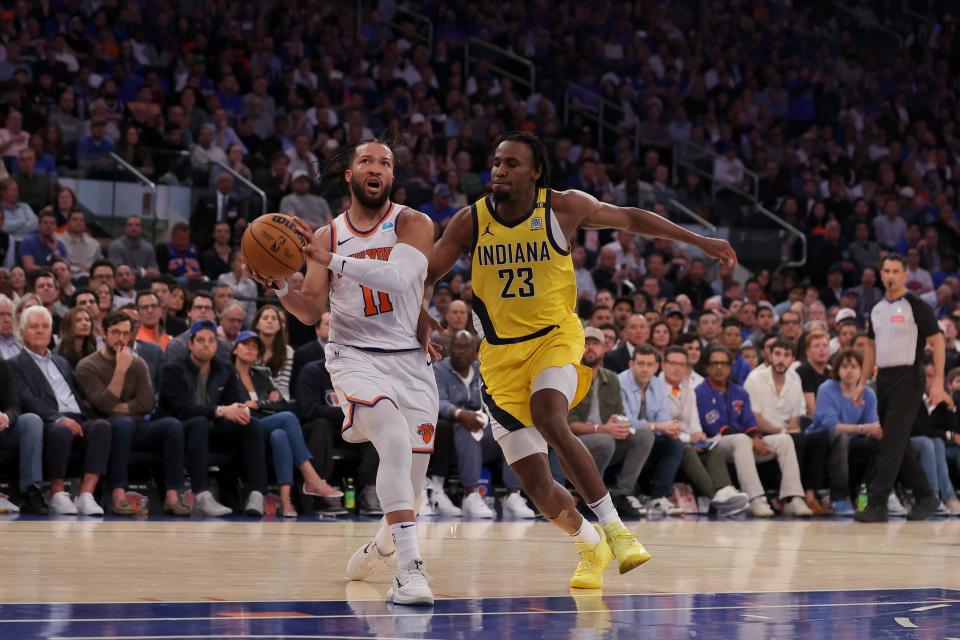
284 291
596 427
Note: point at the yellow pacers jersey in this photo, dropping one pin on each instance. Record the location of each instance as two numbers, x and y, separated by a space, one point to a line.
524 300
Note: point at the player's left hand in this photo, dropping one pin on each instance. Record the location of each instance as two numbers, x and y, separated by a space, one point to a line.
719 249
314 250
427 325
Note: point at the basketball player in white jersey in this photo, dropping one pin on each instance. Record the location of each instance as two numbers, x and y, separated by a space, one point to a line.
370 263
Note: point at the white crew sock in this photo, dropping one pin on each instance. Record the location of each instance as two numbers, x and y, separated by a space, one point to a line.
405 537
605 511
587 533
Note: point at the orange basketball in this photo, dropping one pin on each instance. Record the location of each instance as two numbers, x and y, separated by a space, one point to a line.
272 245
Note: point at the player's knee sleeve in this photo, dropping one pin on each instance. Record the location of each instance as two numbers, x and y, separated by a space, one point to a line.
564 379
386 428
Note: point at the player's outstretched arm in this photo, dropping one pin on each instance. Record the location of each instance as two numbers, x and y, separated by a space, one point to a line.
600 215
309 303
456 240
406 266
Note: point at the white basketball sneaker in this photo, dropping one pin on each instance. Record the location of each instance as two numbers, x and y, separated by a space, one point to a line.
516 507
367 560
474 506
411 586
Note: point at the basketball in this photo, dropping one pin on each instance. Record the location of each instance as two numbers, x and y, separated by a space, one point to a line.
272 244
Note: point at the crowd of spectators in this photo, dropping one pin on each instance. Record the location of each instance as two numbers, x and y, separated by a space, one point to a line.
859 151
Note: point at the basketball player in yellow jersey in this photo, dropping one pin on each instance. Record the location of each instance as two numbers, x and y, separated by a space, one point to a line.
524 296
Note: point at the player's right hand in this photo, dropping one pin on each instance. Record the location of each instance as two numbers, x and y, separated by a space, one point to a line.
427 325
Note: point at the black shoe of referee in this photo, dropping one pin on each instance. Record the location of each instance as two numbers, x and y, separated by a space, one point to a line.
923 509
873 513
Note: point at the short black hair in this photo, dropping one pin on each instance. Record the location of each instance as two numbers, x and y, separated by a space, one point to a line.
102 263
731 322
674 349
716 347
645 350
537 148
333 168
896 257
624 300
115 317
201 293
786 345
687 338
143 293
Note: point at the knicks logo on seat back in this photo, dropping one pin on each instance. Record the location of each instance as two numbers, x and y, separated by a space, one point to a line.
426 431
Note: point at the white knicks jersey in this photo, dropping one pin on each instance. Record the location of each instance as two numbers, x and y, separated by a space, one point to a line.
359 316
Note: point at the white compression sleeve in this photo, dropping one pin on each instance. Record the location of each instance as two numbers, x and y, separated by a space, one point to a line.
405 267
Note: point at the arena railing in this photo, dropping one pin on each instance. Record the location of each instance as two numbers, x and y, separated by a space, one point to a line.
424 22
789 230
700 159
474 44
600 110
245 182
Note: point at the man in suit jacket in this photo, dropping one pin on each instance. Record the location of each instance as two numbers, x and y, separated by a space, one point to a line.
312 351
45 383
210 209
635 332
23 433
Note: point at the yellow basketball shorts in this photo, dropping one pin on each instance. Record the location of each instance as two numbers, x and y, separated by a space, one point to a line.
509 371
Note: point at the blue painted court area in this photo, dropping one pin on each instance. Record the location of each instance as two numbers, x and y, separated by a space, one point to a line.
907 613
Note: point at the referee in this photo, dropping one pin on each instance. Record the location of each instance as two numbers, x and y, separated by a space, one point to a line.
902 326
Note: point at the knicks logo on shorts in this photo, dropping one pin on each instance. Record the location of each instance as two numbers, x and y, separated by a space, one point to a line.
426 431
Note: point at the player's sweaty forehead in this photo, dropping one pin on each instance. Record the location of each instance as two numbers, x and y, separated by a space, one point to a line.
373 151
518 152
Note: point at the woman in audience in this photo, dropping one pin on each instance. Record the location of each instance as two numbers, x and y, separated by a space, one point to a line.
243 287
63 206
838 412
660 337
929 442
104 300
280 426
77 337
178 302
18 283
277 355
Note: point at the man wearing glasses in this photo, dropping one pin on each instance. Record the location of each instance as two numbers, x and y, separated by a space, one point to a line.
724 410
705 467
791 326
200 309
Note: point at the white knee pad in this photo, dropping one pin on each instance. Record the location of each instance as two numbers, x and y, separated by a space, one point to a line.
564 379
387 430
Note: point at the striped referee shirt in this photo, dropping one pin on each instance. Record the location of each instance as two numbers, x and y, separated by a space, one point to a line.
900 328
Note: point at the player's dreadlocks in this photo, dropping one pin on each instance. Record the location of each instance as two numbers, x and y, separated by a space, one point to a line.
330 172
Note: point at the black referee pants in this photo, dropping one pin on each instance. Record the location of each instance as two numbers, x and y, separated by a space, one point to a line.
899 394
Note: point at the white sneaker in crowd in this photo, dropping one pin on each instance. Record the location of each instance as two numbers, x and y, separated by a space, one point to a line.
60 504
6 506
642 511
474 506
254 506
87 506
206 505
727 499
664 506
895 508
515 506
760 508
443 505
412 585
796 507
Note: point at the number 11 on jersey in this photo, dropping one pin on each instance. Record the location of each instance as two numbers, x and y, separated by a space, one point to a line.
373 306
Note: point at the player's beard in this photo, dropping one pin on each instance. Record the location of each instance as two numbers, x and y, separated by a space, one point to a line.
358 191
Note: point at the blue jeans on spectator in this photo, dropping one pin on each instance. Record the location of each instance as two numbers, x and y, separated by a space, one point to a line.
283 432
933 458
667 454
26 435
473 454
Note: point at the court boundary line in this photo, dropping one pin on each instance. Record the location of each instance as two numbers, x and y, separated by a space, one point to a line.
458 614
540 597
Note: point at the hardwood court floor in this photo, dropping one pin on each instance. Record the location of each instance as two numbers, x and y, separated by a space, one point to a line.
73 560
